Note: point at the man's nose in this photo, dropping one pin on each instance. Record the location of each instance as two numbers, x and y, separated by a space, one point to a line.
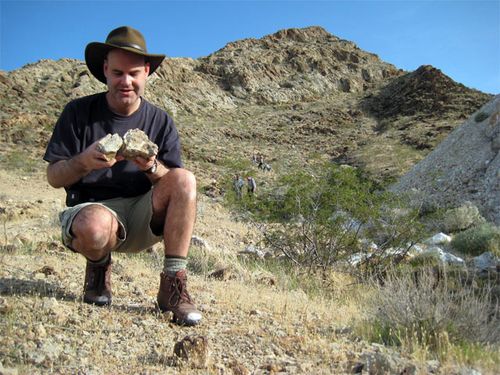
126 79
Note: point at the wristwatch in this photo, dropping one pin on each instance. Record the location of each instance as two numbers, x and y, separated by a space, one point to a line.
153 168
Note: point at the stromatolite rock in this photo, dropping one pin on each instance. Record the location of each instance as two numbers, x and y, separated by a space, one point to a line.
110 145
136 143
193 350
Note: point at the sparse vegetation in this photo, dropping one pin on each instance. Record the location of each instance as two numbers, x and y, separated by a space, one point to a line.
481 116
427 309
477 240
292 313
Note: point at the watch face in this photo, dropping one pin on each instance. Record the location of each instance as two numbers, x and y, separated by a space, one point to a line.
153 168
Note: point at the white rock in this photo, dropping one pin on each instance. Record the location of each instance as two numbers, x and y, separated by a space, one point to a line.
415 250
444 256
356 258
485 261
251 249
200 242
438 239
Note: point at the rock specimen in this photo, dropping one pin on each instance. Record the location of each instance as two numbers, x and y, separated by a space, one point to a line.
136 143
194 350
110 145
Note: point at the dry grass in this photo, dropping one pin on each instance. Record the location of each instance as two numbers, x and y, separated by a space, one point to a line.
428 313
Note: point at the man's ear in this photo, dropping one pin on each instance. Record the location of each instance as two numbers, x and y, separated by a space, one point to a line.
105 68
147 67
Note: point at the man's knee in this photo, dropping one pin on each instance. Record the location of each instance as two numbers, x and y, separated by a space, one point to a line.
92 228
180 181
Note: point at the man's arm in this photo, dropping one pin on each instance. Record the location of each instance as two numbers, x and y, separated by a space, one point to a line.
64 173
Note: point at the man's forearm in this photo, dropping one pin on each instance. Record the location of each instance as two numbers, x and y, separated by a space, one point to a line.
64 173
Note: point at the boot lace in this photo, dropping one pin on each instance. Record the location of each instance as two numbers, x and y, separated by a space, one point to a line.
180 293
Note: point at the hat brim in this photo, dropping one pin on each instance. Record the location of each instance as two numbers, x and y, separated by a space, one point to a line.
96 52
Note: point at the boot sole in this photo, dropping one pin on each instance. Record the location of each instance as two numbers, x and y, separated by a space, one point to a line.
97 303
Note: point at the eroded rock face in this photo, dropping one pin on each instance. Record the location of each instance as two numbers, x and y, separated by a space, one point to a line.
136 143
110 145
465 167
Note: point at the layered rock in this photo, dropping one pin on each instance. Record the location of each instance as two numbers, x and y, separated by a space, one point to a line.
294 65
465 167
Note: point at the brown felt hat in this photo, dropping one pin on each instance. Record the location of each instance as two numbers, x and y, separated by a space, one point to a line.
125 38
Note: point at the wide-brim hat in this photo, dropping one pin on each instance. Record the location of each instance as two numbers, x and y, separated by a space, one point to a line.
125 38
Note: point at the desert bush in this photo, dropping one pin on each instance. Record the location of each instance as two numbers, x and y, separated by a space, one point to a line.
481 116
426 309
322 217
477 240
460 218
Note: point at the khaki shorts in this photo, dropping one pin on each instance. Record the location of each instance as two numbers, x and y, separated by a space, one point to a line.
133 215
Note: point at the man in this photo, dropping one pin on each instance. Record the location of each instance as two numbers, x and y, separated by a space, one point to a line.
123 205
251 185
238 185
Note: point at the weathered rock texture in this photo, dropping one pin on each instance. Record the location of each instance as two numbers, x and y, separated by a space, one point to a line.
464 167
110 145
294 65
136 143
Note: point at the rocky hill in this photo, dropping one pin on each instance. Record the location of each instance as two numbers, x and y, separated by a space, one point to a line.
295 95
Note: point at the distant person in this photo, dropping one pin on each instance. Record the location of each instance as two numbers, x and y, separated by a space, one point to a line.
119 205
251 185
238 186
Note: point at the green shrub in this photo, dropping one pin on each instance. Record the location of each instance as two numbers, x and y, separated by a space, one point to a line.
477 240
481 116
317 218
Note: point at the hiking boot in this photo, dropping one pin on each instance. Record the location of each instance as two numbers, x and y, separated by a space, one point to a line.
97 288
173 296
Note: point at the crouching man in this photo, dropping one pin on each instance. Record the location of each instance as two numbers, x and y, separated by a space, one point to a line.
122 205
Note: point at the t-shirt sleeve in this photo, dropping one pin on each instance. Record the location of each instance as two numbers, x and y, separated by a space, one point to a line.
64 142
169 148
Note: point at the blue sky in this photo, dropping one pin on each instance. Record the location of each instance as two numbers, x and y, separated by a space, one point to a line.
462 38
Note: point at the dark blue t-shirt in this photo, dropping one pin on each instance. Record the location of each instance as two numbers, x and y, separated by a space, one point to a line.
88 119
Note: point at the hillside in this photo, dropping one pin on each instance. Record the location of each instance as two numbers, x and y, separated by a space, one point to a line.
296 94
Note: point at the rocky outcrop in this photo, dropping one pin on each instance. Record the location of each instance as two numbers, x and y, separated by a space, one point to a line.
465 167
294 65
425 92
421 106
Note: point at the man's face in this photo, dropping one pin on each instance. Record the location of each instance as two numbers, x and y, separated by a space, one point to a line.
126 75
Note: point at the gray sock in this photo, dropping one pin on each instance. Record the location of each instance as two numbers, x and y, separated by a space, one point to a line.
173 264
101 261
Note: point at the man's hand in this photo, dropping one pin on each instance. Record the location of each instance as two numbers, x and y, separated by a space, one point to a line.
92 159
66 172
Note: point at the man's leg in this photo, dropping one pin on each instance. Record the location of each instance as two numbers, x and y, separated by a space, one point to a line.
174 209
94 234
